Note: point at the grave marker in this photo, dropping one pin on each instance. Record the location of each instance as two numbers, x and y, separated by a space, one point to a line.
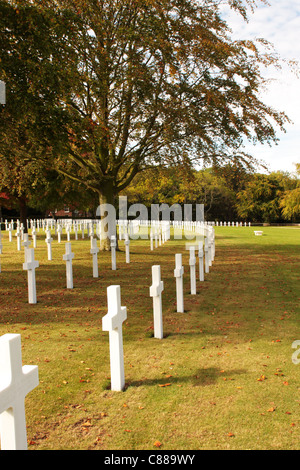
201 266
30 266
10 229
49 240
26 242
34 236
127 243
15 383
113 244
59 232
178 273
94 251
206 250
67 257
151 240
112 322
155 292
18 235
192 263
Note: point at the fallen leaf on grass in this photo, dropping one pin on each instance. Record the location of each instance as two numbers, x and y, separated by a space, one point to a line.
261 378
164 385
157 444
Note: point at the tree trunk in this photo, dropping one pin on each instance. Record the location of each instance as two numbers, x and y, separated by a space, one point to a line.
107 215
23 213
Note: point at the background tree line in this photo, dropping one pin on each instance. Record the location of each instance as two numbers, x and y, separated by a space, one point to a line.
229 193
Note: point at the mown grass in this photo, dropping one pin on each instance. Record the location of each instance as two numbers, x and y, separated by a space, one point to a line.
222 377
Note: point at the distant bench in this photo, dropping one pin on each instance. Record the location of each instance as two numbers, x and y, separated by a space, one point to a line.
258 232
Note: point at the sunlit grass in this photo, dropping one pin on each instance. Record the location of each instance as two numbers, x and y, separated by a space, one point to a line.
222 377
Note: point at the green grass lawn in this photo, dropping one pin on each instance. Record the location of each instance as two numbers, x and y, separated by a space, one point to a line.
222 377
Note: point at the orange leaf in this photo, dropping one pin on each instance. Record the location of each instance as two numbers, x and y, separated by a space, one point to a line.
157 444
163 385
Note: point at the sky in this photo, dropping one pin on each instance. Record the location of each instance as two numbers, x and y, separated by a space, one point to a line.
278 23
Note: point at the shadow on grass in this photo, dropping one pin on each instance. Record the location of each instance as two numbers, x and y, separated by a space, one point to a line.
201 378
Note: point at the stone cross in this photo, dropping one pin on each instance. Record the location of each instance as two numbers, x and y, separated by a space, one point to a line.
76 231
49 240
59 232
151 240
68 229
113 245
155 292
67 257
16 381
18 235
206 250
30 266
201 267
112 322
209 243
10 229
127 243
34 236
94 251
26 243
178 273
192 263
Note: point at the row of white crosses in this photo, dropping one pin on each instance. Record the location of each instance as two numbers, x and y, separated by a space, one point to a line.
17 381
113 320
233 224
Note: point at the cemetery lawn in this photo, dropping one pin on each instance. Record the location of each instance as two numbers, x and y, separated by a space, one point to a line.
222 377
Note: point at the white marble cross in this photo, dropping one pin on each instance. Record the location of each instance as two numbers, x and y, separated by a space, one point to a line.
10 229
112 322
49 240
16 381
127 243
94 251
59 232
26 242
206 250
201 267
113 245
18 235
67 257
33 233
192 263
151 240
155 292
178 273
68 229
30 266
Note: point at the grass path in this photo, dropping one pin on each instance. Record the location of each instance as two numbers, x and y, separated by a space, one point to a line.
223 376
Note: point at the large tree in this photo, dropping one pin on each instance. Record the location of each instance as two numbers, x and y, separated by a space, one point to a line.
151 82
